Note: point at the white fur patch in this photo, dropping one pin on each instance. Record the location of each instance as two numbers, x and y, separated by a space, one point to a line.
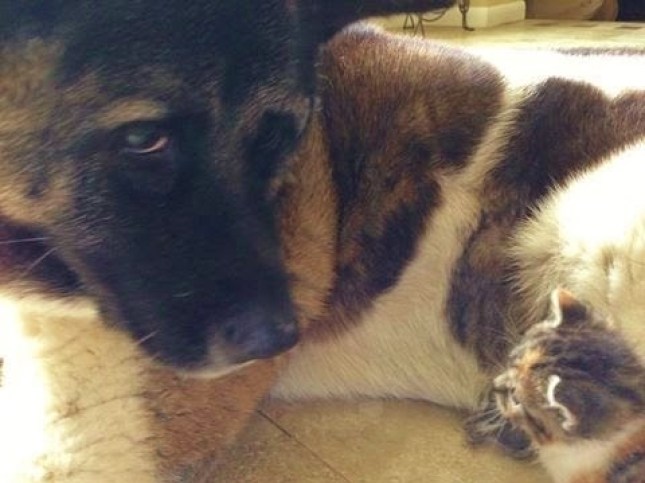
590 237
613 74
71 405
566 462
584 460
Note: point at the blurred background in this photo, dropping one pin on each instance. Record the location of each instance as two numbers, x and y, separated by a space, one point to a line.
558 23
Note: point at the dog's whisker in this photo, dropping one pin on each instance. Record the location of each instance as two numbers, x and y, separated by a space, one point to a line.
145 338
37 262
23 240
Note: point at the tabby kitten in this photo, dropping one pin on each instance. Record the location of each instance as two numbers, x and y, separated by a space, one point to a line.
573 392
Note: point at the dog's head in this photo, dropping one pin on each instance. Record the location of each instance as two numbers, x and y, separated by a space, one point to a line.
140 145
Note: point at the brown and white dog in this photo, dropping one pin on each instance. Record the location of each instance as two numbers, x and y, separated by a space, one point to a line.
215 186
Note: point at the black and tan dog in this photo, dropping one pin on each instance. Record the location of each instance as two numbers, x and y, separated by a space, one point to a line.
214 185
145 141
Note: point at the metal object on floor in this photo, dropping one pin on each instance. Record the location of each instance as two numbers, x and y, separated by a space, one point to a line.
418 25
464 6
408 23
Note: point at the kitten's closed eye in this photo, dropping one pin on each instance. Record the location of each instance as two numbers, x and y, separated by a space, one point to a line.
504 387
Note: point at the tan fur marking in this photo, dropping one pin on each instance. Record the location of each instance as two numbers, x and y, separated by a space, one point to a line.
131 110
28 100
308 222
25 101
527 362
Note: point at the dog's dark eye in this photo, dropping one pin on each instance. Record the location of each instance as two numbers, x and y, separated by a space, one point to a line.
149 156
144 138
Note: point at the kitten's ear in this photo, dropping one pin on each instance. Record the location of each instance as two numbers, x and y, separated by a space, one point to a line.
568 420
329 16
567 310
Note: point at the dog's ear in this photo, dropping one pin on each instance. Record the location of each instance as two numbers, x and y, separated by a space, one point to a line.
327 17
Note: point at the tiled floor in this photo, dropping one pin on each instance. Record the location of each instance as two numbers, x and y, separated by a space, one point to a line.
397 441
365 442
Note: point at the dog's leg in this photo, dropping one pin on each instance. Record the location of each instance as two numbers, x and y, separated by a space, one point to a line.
80 404
70 407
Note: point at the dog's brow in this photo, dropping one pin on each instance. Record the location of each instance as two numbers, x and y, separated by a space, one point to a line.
130 111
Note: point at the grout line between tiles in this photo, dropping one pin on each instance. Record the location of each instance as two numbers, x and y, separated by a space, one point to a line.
303 445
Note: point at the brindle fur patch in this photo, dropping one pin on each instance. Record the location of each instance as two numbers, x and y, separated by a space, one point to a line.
420 116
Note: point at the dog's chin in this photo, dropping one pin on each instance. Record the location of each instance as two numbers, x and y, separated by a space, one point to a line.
213 371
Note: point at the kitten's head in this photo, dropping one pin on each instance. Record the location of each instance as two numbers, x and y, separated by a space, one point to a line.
572 376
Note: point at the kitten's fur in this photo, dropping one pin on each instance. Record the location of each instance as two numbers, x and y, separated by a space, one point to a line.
577 389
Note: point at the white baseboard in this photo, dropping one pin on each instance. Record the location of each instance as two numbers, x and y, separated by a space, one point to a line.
478 17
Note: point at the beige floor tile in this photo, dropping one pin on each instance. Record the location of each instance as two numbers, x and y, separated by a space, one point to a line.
397 442
265 454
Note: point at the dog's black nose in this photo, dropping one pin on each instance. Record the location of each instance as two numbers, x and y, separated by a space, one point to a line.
258 335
